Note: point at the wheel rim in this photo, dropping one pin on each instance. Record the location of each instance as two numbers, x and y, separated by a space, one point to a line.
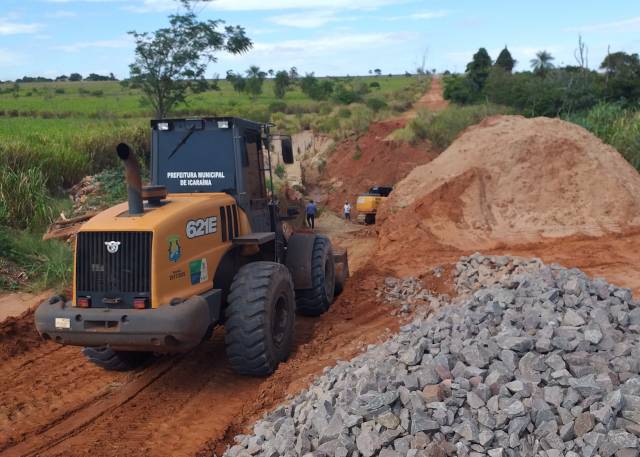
279 322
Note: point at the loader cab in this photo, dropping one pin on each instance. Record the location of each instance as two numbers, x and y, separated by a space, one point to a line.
222 154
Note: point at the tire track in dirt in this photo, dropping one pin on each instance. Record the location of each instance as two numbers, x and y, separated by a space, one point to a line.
58 404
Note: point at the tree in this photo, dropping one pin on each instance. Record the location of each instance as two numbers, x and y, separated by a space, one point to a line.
623 77
459 89
315 89
581 54
377 71
478 69
254 80
293 74
236 80
281 83
75 77
172 60
542 63
505 61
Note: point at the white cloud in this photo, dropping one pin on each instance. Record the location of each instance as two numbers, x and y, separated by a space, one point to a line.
331 43
9 27
421 15
307 20
625 24
117 43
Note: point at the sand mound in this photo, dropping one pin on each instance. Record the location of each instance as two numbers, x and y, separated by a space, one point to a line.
511 180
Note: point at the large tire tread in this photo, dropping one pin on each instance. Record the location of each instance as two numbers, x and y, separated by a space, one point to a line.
314 302
110 360
246 327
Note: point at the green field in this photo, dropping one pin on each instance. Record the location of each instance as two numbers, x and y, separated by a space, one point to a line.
53 134
110 99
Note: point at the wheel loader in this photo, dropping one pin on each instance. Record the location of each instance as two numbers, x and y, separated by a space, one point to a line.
206 244
367 204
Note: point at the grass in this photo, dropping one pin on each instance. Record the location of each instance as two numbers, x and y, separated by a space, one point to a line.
614 125
47 264
81 99
443 127
54 134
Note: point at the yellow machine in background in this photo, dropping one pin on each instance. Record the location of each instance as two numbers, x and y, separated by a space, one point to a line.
367 204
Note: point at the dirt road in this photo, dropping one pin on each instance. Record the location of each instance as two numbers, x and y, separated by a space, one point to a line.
433 100
54 403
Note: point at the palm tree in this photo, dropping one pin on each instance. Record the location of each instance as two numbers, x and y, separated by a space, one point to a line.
542 63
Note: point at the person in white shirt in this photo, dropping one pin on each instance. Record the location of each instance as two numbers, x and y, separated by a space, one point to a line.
347 211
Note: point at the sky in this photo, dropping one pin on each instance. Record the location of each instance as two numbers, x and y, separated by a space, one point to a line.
328 37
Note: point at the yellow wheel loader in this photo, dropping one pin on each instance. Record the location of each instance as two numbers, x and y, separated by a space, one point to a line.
202 246
367 204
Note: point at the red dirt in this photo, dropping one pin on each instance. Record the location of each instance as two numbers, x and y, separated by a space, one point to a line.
18 335
381 163
432 100
511 181
56 403
373 159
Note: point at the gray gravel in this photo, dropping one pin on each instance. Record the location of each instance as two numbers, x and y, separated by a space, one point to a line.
532 360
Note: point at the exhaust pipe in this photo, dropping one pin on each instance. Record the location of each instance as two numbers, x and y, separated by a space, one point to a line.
132 175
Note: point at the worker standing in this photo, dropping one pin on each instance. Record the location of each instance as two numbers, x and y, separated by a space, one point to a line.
347 210
311 211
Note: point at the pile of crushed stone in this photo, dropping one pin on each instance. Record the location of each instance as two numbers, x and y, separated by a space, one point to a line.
512 180
532 360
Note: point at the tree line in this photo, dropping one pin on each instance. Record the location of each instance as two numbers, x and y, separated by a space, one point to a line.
547 89
73 77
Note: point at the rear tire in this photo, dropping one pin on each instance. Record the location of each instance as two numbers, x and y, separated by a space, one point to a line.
260 318
110 360
370 219
341 279
318 299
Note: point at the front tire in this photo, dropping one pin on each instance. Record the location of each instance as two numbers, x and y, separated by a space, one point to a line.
110 360
260 318
318 299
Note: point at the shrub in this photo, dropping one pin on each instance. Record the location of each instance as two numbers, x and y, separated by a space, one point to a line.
325 108
47 263
614 125
344 113
376 104
59 91
375 85
443 127
459 89
97 93
346 95
277 107
357 155
24 198
330 124
280 171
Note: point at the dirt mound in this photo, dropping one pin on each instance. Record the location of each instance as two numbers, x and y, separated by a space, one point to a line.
511 180
370 160
18 335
